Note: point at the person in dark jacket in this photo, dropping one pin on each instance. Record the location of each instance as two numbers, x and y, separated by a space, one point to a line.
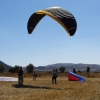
54 76
20 72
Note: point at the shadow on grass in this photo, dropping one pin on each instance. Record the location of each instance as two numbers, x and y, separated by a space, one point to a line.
30 86
38 87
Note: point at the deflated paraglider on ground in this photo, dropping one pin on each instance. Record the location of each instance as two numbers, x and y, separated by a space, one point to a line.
62 16
75 77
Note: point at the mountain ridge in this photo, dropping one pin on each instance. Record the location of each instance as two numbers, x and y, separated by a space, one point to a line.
5 65
68 66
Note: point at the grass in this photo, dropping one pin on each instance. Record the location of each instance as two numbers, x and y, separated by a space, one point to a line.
43 89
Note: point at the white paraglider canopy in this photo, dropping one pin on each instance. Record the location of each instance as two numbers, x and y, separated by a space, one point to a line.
8 79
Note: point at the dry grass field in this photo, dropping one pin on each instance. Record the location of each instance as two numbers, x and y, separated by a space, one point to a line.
43 89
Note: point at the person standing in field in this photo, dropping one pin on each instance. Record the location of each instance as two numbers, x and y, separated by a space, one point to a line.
54 76
34 76
20 72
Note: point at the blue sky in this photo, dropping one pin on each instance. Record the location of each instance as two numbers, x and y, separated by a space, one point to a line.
49 43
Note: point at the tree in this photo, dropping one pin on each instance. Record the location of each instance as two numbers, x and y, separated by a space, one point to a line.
11 70
2 68
74 70
88 69
16 67
62 69
79 71
30 68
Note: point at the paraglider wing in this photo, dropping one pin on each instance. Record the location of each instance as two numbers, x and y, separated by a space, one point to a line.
63 17
75 77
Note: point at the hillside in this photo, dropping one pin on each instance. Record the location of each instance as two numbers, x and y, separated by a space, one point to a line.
68 66
6 66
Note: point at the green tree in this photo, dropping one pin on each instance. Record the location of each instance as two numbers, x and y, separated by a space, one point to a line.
30 68
2 68
74 70
11 70
16 67
62 69
79 71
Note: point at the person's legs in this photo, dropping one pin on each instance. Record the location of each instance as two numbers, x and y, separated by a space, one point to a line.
18 80
21 80
55 81
35 77
52 80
